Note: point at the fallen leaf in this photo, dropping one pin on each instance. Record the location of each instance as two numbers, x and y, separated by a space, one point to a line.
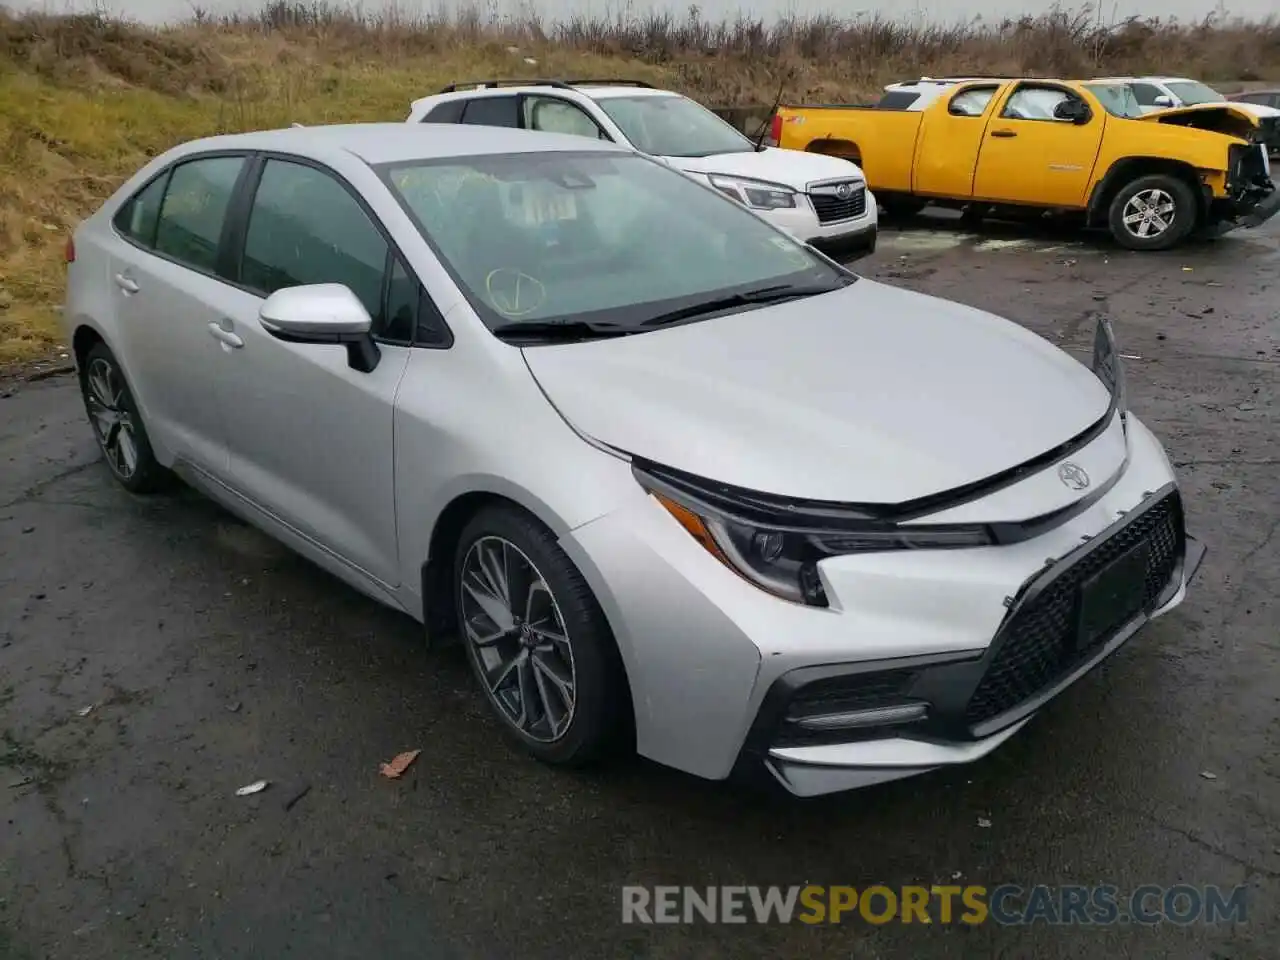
399 765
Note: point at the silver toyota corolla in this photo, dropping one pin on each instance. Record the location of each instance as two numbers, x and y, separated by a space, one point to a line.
675 479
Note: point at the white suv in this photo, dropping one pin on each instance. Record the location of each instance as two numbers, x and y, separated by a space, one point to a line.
821 200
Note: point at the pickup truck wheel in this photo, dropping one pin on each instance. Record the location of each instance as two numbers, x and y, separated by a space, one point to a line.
1152 213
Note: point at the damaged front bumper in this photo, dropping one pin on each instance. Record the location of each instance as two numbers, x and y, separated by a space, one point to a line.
1252 197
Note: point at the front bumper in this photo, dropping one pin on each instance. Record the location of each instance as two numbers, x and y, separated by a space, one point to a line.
711 659
845 238
976 703
1252 197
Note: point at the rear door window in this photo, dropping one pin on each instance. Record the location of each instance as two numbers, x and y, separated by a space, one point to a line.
189 227
972 102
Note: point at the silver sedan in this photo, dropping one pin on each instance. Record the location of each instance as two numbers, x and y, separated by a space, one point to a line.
678 482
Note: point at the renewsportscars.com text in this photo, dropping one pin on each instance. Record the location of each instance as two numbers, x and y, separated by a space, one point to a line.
1006 904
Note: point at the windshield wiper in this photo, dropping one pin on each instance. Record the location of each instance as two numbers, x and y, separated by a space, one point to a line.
749 298
561 330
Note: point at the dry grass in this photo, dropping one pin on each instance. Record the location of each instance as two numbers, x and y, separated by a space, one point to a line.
85 100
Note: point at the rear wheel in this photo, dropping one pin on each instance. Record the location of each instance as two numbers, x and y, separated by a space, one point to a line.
117 424
1154 212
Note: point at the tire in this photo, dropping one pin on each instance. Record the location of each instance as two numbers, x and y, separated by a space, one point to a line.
902 208
1175 207
556 730
117 424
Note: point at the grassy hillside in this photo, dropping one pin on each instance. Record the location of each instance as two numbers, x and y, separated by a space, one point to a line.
84 100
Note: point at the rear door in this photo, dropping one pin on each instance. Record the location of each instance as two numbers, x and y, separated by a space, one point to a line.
310 438
165 264
1028 156
950 138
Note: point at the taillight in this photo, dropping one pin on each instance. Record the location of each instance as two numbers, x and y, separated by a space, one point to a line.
775 129
71 249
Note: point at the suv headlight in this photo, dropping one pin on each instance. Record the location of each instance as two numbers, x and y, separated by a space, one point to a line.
758 194
782 558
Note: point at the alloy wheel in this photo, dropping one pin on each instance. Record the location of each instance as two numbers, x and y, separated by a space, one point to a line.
112 422
518 639
1149 213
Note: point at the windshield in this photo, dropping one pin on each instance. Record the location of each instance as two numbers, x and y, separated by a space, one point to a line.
1117 99
672 126
614 239
1192 93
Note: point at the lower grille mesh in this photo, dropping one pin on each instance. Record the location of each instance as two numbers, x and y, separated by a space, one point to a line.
1037 646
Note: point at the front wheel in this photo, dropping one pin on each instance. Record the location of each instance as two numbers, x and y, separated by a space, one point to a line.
537 640
1155 212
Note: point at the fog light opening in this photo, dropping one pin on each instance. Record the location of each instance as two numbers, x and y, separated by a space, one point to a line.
871 717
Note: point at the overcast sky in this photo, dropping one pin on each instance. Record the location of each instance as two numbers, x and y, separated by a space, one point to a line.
936 10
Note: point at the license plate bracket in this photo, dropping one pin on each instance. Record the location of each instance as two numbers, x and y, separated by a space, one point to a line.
1111 597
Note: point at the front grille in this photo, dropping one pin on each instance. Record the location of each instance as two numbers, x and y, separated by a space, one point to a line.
1037 645
831 208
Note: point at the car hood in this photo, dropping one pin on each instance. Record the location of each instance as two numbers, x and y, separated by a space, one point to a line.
868 394
1257 109
1232 119
792 168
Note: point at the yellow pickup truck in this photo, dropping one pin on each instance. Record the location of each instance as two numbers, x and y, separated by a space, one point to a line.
1076 146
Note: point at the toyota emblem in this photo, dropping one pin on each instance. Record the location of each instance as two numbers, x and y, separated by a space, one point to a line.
844 191
1072 476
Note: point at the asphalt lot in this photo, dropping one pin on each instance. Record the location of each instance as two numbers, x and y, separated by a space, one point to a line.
213 658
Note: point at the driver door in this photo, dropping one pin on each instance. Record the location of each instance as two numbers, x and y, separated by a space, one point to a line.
309 437
1028 156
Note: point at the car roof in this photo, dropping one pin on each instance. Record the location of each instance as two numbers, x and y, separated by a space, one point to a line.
377 143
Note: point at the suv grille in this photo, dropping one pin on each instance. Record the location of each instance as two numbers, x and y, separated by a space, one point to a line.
1037 646
831 208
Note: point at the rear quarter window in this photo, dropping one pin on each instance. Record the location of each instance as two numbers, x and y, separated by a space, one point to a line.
138 217
448 112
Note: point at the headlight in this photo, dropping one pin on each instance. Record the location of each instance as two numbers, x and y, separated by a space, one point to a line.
782 558
1107 366
758 194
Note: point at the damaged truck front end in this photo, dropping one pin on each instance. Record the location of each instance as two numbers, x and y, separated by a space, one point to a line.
1244 195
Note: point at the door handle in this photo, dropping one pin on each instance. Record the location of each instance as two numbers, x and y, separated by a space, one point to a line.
126 284
1003 133
225 337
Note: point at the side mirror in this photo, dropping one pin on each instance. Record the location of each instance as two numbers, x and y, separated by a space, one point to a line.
1163 100
1073 111
322 313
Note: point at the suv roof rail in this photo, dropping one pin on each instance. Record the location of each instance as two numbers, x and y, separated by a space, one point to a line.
514 82
610 81
957 78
